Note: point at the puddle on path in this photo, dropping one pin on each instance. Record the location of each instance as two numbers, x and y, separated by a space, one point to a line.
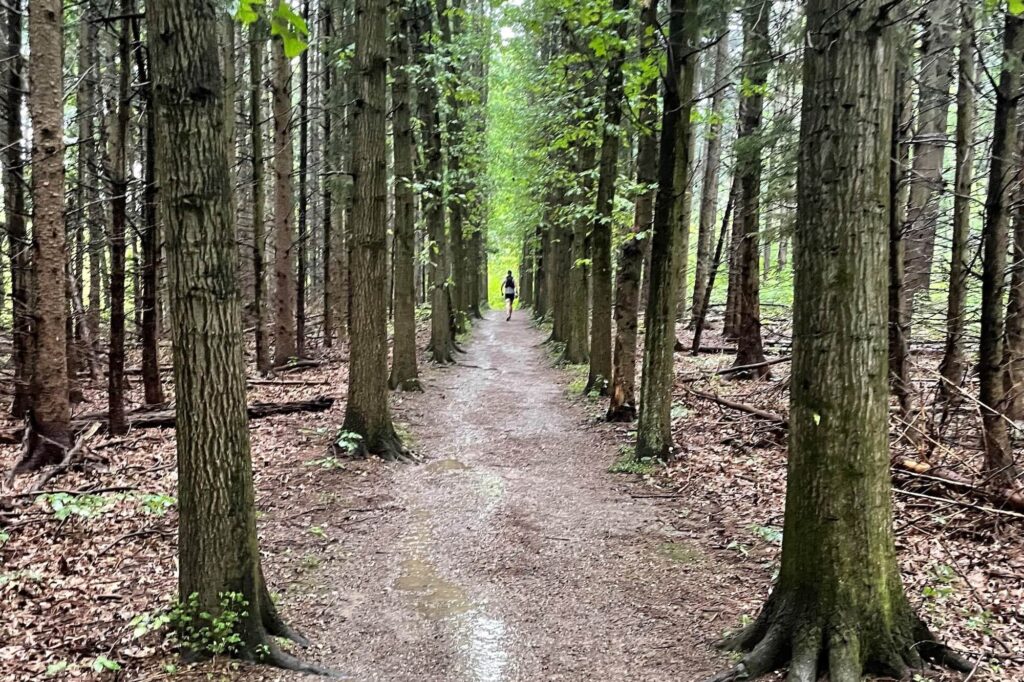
480 638
446 465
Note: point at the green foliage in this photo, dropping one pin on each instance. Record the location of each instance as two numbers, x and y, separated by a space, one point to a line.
347 441
285 23
1015 6
157 504
4 537
65 505
56 668
327 462
627 463
197 630
770 534
104 664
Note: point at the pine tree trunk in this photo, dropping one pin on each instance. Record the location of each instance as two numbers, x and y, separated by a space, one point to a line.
757 63
329 181
50 405
404 373
925 180
839 607
257 43
284 231
953 366
999 466
628 282
709 185
15 210
367 412
601 247
118 173
654 427
300 289
218 549
89 210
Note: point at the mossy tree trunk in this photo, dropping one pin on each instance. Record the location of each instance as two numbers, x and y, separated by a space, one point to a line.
403 363
218 549
654 428
839 606
367 412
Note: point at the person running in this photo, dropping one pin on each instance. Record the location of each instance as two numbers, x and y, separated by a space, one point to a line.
508 288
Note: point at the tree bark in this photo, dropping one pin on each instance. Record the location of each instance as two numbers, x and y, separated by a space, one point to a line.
300 289
50 407
257 44
925 180
953 366
601 231
709 184
284 232
218 549
404 373
839 607
367 412
628 282
654 427
757 64
16 211
999 466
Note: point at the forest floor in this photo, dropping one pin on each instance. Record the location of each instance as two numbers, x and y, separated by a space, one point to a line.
511 553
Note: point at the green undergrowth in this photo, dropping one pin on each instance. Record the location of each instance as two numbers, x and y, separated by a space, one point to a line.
627 463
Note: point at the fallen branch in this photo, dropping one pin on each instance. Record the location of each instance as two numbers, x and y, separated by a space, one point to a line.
296 365
166 418
69 458
739 368
1006 497
741 407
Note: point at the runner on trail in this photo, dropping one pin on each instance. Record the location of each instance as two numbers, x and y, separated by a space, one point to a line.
508 288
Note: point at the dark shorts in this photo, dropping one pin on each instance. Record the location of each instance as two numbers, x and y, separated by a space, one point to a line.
510 297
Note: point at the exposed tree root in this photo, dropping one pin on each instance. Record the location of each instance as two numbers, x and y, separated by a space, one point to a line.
407 385
812 646
625 412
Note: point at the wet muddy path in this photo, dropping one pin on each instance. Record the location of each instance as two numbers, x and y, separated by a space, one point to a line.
511 553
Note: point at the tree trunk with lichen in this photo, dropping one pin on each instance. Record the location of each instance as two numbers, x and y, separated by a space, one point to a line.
367 412
839 606
218 548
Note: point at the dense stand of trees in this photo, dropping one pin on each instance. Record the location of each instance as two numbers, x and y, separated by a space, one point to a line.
408 157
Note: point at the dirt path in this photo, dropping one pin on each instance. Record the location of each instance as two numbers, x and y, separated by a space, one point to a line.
511 553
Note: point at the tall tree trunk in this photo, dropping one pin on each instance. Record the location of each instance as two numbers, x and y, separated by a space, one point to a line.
50 407
601 247
118 173
329 181
284 232
404 373
999 466
576 309
367 412
622 401
90 212
218 549
257 43
654 427
839 607
15 210
899 314
300 290
149 235
757 64
709 184
953 365
934 80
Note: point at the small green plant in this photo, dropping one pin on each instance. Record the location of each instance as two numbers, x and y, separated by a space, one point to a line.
347 441
328 462
627 463
104 664
317 531
738 547
770 534
157 504
981 622
202 632
56 668
4 537
65 505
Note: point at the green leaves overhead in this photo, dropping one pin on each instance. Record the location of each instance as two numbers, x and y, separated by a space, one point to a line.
1016 6
285 23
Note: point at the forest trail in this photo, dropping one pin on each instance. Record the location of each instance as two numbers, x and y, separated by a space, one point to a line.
511 553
